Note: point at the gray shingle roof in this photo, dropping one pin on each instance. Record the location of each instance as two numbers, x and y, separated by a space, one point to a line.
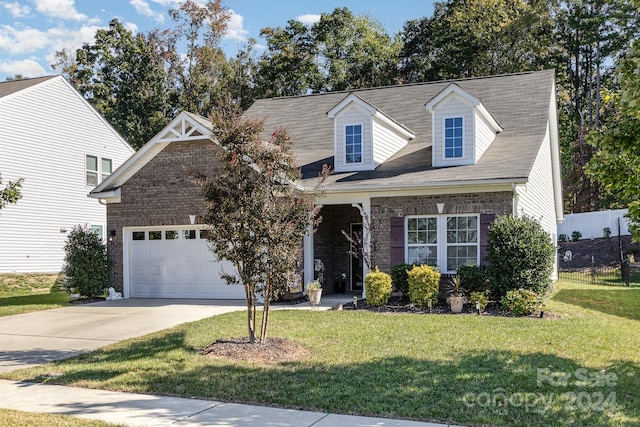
7 88
519 102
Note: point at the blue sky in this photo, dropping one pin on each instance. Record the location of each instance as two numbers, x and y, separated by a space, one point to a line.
32 30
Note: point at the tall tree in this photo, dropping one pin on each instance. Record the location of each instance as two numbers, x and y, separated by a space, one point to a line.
122 75
256 215
592 35
200 72
467 38
355 51
288 66
616 163
10 193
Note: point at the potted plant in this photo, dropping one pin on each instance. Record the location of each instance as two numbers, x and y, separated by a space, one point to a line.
314 292
456 298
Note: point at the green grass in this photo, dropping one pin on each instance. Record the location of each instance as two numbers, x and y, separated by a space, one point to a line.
10 417
23 293
450 368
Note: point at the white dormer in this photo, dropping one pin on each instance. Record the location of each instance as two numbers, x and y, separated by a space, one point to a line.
364 137
462 128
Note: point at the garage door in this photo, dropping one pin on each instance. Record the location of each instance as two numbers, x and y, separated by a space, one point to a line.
176 263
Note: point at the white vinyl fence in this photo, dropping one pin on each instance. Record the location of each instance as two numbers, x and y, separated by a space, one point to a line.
592 224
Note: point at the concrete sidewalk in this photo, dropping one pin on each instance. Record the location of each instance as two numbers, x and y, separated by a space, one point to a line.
147 410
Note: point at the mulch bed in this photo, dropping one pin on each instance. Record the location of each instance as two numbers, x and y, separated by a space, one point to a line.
273 350
401 305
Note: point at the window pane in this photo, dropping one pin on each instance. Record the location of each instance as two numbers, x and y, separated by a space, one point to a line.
171 235
106 166
155 235
353 144
138 235
92 163
92 178
204 234
97 230
189 234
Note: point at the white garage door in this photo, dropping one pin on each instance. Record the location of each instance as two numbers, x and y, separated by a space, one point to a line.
176 263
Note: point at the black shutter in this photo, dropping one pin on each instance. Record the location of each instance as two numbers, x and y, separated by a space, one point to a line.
397 240
485 221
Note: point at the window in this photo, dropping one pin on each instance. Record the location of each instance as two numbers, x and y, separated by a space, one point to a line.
353 144
138 235
422 241
106 168
97 230
155 235
453 140
462 241
171 235
189 234
91 165
447 242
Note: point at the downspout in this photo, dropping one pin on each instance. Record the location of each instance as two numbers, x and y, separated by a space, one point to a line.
515 200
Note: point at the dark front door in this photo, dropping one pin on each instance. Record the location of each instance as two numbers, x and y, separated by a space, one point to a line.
356 261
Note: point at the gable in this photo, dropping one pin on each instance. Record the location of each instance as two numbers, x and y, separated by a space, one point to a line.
184 127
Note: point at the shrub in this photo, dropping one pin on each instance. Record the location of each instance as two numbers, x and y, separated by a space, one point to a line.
521 302
520 254
378 286
575 236
479 297
424 282
474 277
562 238
606 232
399 278
86 265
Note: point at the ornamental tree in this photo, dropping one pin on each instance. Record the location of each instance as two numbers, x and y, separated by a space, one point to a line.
256 214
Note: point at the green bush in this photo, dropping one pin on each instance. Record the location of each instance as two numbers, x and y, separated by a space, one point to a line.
521 302
520 255
378 286
479 297
575 236
424 282
86 266
475 277
399 277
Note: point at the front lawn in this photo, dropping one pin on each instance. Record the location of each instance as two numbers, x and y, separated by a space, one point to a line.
22 293
10 417
580 369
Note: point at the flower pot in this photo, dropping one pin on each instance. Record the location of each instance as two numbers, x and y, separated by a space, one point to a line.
456 304
314 296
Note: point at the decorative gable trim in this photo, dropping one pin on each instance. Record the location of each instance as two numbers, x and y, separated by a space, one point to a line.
467 98
185 127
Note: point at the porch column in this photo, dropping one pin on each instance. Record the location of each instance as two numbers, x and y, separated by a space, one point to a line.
307 245
365 212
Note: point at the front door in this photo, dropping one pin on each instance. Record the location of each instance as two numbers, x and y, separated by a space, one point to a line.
356 261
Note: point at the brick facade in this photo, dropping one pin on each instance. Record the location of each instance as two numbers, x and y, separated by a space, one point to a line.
163 192
384 208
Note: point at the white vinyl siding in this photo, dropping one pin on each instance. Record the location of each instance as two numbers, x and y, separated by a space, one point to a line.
453 108
350 117
484 136
47 131
386 142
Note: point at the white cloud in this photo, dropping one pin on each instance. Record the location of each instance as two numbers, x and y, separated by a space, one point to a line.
16 9
143 8
25 67
64 9
130 26
308 19
235 30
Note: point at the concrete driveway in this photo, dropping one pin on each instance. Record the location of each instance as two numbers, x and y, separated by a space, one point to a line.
36 338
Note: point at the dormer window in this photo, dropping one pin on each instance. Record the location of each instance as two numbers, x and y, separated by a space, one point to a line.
462 128
353 144
453 137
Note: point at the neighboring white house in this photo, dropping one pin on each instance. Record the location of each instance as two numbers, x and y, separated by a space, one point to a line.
62 147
